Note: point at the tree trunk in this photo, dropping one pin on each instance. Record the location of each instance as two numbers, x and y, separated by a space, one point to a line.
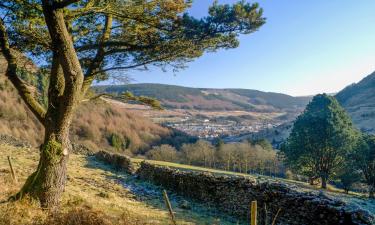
324 182
47 183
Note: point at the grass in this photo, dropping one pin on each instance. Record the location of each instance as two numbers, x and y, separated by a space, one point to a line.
95 194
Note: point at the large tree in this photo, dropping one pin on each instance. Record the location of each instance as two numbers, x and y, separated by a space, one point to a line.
320 140
80 41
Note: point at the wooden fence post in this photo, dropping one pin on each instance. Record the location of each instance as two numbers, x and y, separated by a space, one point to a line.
254 213
12 170
169 206
274 219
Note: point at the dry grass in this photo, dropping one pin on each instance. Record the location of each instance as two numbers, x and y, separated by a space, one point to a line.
96 121
93 196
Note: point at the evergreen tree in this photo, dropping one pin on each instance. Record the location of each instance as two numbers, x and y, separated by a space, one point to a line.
320 139
80 41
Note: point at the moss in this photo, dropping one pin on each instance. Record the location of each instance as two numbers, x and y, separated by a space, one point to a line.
53 151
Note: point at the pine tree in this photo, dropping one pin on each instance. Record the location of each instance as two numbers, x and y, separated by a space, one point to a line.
80 41
320 139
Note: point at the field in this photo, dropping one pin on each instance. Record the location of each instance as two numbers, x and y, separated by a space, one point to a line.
97 188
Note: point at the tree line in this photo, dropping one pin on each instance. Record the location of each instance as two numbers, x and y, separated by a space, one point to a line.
244 157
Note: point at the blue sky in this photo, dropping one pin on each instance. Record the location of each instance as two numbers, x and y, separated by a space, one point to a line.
306 47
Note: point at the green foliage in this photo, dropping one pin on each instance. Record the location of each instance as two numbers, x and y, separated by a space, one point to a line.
348 176
152 102
173 36
320 139
363 158
39 80
118 142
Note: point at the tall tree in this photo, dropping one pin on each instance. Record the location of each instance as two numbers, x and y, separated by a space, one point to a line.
320 140
364 159
79 41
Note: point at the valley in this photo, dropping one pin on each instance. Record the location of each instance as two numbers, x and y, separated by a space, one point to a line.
129 112
212 113
239 114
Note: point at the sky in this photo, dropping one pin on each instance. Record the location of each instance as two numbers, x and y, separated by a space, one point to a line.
305 48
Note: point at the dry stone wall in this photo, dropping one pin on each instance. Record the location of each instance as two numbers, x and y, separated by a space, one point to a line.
233 195
119 162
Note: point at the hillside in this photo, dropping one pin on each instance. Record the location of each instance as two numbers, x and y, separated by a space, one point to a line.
359 100
95 195
178 97
97 125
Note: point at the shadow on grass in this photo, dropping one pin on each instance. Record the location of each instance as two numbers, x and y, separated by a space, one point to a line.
152 195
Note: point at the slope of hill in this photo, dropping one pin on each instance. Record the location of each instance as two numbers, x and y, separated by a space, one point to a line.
178 97
359 100
95 194
96 125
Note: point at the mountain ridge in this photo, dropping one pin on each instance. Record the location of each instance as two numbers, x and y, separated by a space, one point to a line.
175 97
359 101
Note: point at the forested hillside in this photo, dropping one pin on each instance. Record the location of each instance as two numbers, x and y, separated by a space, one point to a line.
359 100
179 97
97 125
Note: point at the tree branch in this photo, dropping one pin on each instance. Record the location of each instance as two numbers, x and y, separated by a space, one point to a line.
97 61
26 91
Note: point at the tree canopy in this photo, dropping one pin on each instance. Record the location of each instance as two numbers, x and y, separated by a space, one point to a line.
320 140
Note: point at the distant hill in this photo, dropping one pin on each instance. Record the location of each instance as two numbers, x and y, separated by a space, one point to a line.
359 100
178 97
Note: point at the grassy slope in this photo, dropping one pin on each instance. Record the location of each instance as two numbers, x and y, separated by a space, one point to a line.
95 186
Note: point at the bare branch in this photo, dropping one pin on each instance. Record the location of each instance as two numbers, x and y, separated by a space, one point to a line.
98 60
98 97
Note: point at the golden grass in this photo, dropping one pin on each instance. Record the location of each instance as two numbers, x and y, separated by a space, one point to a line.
93 196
